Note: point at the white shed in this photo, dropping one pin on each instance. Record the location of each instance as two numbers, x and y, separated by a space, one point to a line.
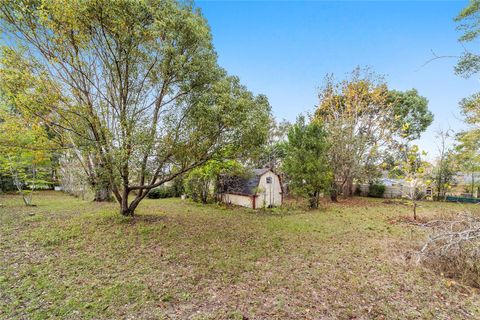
262 188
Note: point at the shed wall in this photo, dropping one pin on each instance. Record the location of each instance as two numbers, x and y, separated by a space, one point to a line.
238 200
269 194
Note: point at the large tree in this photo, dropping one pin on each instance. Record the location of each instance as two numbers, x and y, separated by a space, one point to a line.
468 66
132 86
353 112
364 119
468 146
305 161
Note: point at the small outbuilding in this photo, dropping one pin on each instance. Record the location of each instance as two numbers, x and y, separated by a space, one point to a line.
261 188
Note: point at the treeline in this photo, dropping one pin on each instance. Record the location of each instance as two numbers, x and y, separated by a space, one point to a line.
122 98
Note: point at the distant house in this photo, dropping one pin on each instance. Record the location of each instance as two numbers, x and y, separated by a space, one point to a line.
388 182
257 189
394 188
464 178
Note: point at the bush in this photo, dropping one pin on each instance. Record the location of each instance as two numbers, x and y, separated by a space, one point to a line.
376 190
175 190
161 193
6 183
197 186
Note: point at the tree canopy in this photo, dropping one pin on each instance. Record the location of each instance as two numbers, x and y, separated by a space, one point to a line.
468 146
364 119
132 87
410 113
469 24
305 162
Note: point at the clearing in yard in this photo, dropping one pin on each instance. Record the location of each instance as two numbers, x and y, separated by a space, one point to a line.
68 258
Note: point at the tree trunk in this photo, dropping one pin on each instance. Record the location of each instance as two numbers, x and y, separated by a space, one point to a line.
27 199
414 210
204 194
333 194
103 194
125 208
126 211
348 187
314 200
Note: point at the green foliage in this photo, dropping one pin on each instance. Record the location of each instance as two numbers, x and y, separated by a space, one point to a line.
469 24
197 185
410 113
444 173
272 153
365 121
173 190
468 155
414 170
305 163
468 147
468 141
24 155
469 64
161 193
200 183
6 183
376 190
133 87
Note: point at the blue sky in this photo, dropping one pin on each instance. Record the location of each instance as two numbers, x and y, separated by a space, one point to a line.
284 50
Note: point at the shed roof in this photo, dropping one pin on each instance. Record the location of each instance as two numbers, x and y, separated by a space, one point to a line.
243 185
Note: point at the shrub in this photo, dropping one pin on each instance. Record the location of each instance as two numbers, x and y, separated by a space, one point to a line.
6 183
161 193
376 190
197 186
177 188
171 191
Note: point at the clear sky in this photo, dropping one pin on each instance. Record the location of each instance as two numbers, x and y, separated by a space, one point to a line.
284 50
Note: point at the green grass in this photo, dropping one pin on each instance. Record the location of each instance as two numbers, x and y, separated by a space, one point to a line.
74 259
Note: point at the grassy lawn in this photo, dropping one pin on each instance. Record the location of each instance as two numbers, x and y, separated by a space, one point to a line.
74 259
